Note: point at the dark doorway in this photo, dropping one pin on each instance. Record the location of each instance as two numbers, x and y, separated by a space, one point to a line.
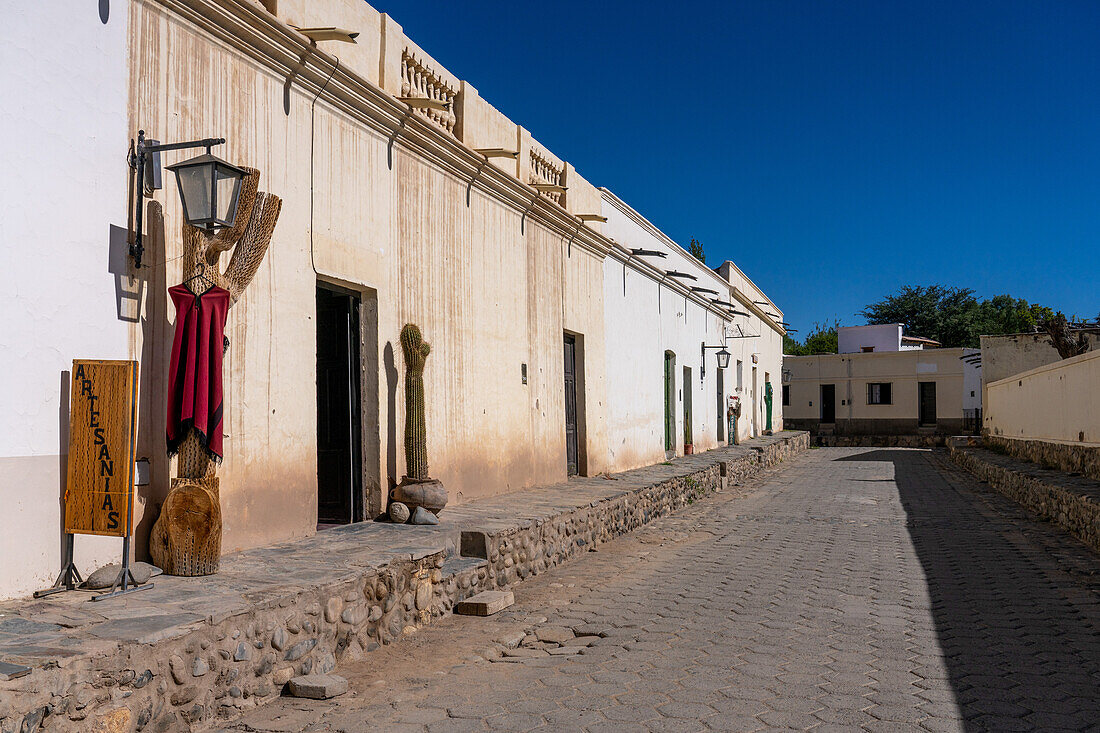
828 403
927 403
720 414
339 442
670 402
571 405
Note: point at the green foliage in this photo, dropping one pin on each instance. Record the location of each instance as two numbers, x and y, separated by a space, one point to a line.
821 340
696 250
953 316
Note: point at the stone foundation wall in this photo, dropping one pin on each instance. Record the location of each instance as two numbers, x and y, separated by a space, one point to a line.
1071 502
517 553
208 672
880 441
1083 459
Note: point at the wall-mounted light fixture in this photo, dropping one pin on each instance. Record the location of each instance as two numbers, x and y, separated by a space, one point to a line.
723 358
209 187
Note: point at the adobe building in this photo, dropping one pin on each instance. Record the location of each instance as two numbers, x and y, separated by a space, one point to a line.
883 383
406 198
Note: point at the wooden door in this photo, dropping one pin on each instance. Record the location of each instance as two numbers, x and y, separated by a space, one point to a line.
339 463
828 403
571 405
670 401
927 403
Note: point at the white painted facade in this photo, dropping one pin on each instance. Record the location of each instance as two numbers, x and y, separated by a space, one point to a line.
64 276
647 314
875 337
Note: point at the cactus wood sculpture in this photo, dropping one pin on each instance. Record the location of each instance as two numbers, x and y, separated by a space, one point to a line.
186 538
417 488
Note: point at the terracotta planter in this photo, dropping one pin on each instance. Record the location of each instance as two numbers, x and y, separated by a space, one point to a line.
689 449
428 493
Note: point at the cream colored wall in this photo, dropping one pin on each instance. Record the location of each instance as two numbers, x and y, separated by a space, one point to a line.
488 293
377 198
851 373
1056 402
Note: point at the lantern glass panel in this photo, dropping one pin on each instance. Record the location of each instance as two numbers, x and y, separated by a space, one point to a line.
723 359
227 184
196 191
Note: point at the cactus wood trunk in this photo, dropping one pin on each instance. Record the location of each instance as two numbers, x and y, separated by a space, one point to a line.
417 488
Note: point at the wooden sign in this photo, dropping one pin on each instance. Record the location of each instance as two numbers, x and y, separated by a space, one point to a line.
102 422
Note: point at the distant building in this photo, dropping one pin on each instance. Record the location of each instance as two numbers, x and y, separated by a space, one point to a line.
883 382
879 337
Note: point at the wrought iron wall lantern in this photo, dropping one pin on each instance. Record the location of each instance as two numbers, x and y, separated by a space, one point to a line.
723 358
209 186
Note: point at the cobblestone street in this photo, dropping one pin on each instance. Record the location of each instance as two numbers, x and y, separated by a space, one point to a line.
849 587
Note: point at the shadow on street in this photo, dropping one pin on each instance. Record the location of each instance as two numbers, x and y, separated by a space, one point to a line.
1016 603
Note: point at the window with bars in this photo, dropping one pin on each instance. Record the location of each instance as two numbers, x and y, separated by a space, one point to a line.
878 393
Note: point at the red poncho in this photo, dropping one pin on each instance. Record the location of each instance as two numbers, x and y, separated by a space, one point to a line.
195 376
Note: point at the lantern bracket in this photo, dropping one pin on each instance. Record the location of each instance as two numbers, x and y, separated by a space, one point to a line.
703 358
142 153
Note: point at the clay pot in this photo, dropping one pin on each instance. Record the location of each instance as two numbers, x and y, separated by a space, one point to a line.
428 493
689 449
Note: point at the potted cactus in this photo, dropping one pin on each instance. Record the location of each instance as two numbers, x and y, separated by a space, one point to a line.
417 488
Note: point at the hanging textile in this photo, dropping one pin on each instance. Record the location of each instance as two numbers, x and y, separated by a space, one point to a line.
195 374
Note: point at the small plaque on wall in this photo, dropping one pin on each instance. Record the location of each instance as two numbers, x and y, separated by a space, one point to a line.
100 483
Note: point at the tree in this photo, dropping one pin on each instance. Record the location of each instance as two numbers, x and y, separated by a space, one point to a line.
1005 314
696 250
953 316
936 312
1063 338
821 340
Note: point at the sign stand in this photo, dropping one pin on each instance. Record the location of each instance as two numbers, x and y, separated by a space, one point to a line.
99 487
125 582
69 577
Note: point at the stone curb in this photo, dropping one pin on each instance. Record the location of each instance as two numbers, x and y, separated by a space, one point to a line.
1071 502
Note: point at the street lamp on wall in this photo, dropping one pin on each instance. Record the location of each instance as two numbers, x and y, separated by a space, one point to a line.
209 187
723 358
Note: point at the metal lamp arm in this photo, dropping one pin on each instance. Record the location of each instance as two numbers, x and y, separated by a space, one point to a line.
141 150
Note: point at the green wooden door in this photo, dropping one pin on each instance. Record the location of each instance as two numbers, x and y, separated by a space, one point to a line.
670 401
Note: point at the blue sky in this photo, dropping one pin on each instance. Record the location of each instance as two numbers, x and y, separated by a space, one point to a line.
835 150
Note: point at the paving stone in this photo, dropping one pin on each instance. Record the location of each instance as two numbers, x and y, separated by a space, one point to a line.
486 603
553 634
318 686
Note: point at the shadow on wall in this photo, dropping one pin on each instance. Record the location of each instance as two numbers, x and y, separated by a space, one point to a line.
1015 610
391 420
63 415
156 351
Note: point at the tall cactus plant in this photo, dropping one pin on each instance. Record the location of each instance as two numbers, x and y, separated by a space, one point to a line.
416 439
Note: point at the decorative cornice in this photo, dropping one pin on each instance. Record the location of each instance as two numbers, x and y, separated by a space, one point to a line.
251 30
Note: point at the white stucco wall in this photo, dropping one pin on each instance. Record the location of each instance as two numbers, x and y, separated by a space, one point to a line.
644 318
63 138
881 337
